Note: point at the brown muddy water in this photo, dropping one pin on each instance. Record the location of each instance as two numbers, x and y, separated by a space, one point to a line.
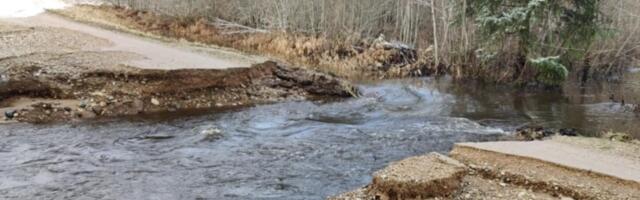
291 150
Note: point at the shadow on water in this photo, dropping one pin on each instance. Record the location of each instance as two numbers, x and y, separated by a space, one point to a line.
292 150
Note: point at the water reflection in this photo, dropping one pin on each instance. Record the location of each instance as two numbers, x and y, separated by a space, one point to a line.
591 108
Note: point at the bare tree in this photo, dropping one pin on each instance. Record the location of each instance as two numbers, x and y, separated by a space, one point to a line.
416 23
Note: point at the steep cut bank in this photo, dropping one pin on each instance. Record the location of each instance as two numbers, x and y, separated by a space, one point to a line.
557 168
51 74
130 91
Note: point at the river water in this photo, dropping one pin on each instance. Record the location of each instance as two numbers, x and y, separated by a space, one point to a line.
291 150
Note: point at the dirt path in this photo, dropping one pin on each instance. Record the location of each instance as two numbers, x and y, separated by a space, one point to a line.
156 55
55 70
558 168
567 155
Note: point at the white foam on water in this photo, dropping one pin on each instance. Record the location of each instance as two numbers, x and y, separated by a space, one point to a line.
26 8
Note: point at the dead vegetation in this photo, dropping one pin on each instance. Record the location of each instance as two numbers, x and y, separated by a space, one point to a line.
351 57
55 74
445 41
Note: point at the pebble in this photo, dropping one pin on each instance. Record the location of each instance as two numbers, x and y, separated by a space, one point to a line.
46 106
97 110
155 102
212 133
10 114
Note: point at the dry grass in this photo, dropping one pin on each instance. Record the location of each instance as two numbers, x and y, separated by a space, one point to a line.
353 58
445 42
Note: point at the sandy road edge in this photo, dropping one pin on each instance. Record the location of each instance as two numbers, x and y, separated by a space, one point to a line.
70 14
458 147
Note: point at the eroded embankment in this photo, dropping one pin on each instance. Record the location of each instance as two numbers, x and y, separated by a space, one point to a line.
50 73
350 57
130 91
483 174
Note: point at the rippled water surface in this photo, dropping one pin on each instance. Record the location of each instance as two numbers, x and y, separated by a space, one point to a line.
293 150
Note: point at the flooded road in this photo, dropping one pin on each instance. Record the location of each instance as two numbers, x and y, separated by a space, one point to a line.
293 150
591 107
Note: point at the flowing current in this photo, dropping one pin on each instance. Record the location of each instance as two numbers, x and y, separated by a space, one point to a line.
291 150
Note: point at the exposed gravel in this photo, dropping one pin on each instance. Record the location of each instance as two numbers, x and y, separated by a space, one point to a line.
545 176
431 175
629 150
68 35
102 76
20 40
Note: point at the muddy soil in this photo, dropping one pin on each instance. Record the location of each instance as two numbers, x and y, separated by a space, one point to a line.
476 173
74 78
133 91
472 188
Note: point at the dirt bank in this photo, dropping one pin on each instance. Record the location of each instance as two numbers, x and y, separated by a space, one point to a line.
558 168
432 177
50 74
350 57
130 91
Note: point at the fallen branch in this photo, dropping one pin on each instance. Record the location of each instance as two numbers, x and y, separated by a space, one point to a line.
235 28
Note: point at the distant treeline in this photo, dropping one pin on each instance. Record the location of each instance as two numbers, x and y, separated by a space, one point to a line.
518 38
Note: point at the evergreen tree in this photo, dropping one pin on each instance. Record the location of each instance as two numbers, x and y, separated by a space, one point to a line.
550 34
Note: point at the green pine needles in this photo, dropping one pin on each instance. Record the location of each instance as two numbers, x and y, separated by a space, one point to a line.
551 34
550 71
